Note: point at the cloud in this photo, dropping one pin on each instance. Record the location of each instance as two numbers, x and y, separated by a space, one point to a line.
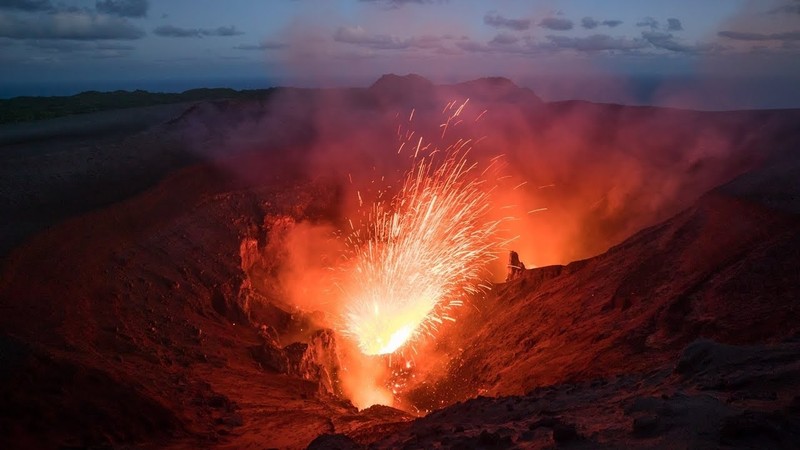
650 40
589 23
498 21
94 50
648 22
123 8
71 46
266 45
674 24
110 51
359 36
397 2
173 31
426 41
27 5
665 41
791 8
556 23
114 46
744 36
394 4
74 25
504 39
222 31
472 46
596 42
57 46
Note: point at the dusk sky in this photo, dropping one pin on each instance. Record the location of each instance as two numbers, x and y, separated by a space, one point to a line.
705 54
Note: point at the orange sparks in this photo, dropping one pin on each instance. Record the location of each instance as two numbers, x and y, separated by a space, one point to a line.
414 258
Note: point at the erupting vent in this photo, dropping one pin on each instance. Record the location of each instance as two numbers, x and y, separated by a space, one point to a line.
413 258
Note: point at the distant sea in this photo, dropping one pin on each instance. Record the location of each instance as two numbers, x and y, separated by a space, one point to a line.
690 92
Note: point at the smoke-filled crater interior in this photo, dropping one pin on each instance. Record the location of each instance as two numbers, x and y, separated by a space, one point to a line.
388 271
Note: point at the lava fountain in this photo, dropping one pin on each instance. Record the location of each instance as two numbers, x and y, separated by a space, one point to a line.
414 257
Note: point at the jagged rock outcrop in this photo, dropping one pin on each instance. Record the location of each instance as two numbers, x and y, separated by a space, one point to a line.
316 361
269 354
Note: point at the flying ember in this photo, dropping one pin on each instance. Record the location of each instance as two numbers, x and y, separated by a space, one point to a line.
415 256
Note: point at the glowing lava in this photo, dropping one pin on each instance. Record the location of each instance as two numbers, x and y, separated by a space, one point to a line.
417 255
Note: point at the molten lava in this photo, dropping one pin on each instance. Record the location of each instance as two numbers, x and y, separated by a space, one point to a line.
413 258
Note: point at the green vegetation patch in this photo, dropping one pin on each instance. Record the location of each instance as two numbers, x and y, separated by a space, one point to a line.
23 109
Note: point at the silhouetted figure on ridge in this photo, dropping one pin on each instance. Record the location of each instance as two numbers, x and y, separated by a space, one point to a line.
515 266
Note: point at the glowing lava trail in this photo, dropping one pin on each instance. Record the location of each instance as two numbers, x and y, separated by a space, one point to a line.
416 256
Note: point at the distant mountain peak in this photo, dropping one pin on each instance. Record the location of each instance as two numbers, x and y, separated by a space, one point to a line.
418 90
409 89
409 81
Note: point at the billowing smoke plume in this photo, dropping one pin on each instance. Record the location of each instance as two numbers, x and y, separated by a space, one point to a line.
578 178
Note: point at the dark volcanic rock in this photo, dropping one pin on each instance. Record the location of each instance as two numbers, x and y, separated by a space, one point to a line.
646 426
301 360
333 442
489 439
566 433
761 429
704 354
271 357
649 410
227 302
109 408
316 361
